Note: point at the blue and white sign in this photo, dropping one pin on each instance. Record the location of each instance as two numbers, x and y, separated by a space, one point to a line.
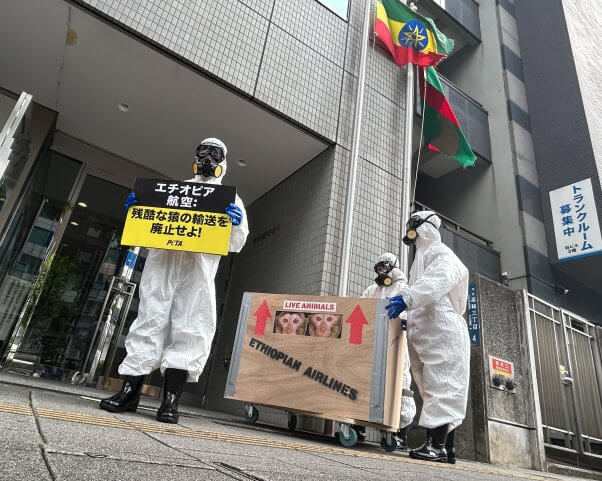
472 311
576 224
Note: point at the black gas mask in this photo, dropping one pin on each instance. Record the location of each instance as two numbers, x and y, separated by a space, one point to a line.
383 270
208 160
412 226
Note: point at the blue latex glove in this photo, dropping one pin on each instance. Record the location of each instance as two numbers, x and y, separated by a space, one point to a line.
395 307
235 214
130 201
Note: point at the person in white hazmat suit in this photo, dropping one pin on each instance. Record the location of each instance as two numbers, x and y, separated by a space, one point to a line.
177 312
388 283
438 341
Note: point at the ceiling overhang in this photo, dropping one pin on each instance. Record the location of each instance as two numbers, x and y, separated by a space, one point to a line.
82 67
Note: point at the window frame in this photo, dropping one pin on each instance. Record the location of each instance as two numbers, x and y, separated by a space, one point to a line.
324 3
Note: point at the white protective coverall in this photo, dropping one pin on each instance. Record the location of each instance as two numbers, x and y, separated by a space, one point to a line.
408 406
438 341
177 311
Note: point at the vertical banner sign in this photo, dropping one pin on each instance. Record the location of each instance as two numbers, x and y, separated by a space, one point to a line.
472 310
576 225
186 216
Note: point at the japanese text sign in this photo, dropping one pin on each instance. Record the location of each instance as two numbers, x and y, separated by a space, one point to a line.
502 367
472 311
576 225
501 374
186 216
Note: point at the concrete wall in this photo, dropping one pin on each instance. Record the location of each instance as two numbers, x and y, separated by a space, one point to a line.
502 419
584 22
561 87
467 196
485 72
479 71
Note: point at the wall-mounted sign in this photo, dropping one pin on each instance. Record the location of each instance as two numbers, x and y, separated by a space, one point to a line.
501 374
13 294
184 216
472 312
576 225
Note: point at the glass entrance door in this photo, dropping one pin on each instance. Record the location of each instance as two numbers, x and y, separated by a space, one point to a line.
60 331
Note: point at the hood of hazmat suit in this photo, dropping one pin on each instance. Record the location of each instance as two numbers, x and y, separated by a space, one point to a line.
177 311
408 406
438 341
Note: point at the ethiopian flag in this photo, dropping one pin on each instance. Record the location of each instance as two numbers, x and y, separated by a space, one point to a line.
408 36
441 130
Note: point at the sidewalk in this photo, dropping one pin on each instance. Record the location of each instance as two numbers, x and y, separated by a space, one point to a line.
52 431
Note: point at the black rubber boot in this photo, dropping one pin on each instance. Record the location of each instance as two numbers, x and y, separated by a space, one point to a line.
402 439
449 447
172 390
127 398
434 448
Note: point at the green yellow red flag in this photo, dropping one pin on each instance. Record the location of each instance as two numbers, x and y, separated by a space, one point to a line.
442 131
408 36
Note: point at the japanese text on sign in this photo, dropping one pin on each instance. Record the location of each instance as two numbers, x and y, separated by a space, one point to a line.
180 216
183 195
576 225
473 316
502 366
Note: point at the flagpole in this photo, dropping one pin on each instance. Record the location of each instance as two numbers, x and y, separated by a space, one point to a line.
355 148
406 171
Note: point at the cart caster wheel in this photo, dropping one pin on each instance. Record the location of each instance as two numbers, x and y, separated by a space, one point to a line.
351 440
388 446
251 414
292 421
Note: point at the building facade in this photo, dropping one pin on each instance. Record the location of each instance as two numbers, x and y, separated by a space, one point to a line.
126 89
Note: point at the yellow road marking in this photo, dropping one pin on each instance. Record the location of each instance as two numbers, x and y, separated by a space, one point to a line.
246 439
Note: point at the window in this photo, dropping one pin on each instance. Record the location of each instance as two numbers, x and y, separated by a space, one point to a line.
340 7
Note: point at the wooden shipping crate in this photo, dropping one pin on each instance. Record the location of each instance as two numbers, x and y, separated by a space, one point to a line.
353 376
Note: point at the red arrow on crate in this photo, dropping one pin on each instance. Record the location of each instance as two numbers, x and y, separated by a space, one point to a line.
261 316
357 319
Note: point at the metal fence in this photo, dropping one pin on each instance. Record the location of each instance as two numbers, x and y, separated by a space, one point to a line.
569 377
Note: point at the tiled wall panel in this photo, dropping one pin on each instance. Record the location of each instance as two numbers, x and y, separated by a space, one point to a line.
300 83
326 33
223 37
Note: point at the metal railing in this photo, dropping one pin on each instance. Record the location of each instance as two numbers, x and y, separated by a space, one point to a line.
464 12
473 118
569 377
455 227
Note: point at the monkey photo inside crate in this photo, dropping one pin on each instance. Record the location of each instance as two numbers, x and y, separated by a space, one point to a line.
291 323
324 324
315 324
